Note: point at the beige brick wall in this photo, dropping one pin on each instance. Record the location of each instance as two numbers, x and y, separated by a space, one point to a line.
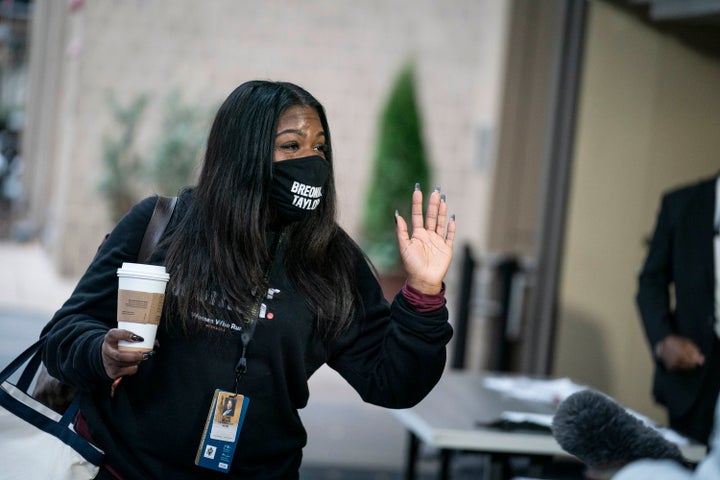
345 53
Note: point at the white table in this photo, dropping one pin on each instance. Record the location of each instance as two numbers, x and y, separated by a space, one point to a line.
450 419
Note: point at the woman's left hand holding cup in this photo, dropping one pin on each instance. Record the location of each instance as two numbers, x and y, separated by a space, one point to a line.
119 363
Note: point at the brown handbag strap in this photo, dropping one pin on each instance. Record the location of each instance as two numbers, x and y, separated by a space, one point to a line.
156 226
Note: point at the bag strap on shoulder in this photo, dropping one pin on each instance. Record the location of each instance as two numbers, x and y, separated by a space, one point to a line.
156 226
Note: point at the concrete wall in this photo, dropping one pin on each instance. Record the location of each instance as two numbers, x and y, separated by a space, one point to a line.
346 53
648 120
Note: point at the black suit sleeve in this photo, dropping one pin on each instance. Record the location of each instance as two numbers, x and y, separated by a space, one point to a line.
656 277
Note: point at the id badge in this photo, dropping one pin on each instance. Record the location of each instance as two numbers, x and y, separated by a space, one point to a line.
222 428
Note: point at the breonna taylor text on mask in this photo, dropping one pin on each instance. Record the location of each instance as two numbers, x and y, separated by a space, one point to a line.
306 197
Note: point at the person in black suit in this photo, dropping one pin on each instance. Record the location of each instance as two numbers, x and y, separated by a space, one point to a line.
677 302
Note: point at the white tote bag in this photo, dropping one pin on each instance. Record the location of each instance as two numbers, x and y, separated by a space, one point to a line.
35 441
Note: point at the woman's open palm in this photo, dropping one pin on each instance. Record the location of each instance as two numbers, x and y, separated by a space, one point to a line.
427 252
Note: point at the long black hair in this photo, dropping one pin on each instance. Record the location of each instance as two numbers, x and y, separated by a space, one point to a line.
218 254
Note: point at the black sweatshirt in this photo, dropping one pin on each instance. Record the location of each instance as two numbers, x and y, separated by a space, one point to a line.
391 355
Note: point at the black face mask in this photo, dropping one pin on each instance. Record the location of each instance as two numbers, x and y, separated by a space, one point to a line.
297 186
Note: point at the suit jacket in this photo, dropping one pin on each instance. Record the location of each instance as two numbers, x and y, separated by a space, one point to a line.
681 255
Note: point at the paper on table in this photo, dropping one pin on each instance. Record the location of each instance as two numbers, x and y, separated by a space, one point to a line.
673 436
519 421
668 434
554 392
543 420
537 390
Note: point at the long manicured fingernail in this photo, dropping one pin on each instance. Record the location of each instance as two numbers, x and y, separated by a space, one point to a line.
437 188
443 198
417 186
452 217
149 354
137 338
396 215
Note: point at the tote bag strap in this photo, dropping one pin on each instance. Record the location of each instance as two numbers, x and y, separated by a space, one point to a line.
29 373
33 354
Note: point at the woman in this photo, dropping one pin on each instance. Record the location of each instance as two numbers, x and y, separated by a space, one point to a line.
264 288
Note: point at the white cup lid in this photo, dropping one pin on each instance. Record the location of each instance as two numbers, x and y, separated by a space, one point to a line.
129 269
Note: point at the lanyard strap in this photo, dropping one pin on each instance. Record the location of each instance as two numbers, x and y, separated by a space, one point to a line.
252 318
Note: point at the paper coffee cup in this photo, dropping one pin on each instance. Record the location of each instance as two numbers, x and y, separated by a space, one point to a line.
141 293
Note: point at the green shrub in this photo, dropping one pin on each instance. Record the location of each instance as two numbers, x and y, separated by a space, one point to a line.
121 164
179 148
170 165
399 162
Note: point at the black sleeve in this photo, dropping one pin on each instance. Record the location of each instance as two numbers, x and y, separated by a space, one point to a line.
391 355
76 331
653 296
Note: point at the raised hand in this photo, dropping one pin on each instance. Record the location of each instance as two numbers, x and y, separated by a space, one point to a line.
426 254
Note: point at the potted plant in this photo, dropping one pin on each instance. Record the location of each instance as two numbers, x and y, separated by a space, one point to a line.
121 163
399 163
170 164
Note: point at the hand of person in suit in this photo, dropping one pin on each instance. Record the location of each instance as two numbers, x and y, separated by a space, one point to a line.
679 353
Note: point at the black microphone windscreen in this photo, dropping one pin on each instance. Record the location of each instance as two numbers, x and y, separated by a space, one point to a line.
602 434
